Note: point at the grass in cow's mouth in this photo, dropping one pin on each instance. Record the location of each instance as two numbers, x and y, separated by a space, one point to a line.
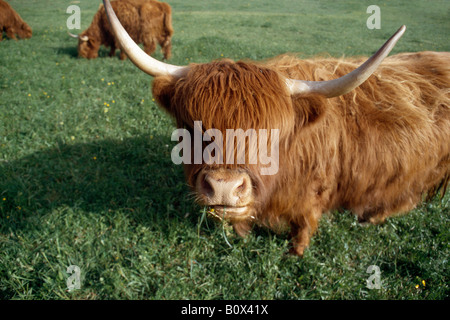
225 225
81 186
212 212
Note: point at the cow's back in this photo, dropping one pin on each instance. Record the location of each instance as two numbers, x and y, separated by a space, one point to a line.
6 14
128 16
156 19
8 17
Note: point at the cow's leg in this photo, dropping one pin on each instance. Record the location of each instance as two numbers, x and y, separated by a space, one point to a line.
301 232
166 47
123 55
150 46
372 218
10 33
378 215
112 52
300 238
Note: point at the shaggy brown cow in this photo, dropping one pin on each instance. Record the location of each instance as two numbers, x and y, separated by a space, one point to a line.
12 23
147 21
373 144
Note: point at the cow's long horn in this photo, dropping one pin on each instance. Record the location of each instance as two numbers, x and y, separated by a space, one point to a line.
141 59
344 84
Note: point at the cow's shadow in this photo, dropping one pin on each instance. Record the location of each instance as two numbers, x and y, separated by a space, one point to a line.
70 51
98 177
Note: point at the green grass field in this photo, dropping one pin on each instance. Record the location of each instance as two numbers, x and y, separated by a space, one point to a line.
86 176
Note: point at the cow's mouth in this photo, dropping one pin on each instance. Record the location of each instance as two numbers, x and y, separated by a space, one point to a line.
222 212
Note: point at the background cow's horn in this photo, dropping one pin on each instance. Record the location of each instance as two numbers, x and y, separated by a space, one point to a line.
72 35
350 81
83 38
141 59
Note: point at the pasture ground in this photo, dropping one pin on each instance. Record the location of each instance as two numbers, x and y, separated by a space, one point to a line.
86 177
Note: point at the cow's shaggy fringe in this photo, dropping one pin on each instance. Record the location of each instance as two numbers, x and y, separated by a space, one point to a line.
12 23
376 150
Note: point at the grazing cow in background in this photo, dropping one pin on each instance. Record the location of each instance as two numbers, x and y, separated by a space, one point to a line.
146 21
12 23
372 139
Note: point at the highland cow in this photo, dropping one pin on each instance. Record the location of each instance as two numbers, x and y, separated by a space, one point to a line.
372 138
146 21
12 23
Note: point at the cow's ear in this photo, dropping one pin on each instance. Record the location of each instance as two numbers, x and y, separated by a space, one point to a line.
163 91
310 109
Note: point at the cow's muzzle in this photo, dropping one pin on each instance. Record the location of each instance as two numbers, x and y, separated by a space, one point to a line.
228 192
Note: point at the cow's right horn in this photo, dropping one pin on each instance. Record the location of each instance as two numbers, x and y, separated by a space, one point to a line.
141 59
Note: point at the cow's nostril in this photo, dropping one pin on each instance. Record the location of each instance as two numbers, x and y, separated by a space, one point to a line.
240 188
207 188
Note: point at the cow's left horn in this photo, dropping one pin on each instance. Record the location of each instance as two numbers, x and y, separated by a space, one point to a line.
344 84
83 38
141 59
72 35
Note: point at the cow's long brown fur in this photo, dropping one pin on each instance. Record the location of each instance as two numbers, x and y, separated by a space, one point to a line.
12 23
146 21
156 24
376 150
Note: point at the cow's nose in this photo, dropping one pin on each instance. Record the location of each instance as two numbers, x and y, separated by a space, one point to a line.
225 187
